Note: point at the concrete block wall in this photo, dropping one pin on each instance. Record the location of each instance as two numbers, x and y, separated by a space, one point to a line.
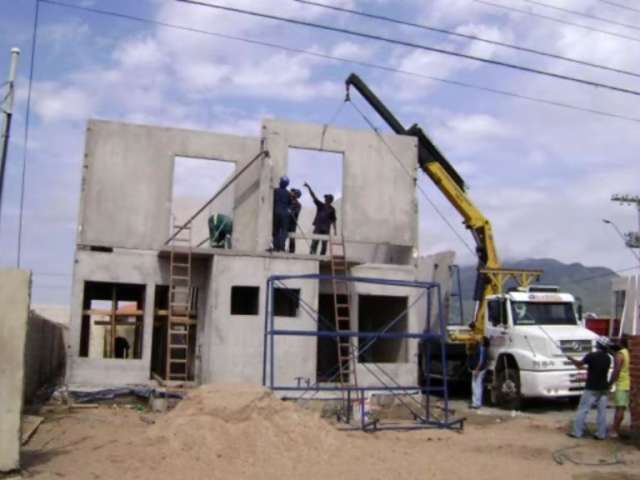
634 350
45 354
15 288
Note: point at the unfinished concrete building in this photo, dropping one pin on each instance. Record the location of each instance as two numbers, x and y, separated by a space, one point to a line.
125 267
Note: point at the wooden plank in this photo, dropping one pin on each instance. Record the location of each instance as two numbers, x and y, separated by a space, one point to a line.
30 424
118 313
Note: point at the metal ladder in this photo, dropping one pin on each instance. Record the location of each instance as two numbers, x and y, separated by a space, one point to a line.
347 348
179 319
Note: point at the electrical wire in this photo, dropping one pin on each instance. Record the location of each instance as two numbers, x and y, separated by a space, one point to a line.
619 5
557 20
467 36
582 14
27 120
375 66
419 46
420 189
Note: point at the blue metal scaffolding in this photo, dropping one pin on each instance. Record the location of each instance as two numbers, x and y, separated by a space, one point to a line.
428 340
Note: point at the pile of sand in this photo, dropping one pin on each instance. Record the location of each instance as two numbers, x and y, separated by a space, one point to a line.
226 431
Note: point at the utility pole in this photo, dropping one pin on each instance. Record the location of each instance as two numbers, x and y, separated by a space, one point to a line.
6 107
632 239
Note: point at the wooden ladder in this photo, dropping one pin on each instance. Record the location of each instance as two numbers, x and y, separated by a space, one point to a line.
179 306
347 347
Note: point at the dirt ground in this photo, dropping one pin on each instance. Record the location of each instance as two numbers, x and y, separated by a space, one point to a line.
243 432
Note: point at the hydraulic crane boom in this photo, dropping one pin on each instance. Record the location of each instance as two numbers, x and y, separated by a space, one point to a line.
451 184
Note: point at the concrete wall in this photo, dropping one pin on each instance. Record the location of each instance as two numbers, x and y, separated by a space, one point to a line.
121 266
15 288
45 354
630 321
405 373
436 268
232 345
374 211
128 175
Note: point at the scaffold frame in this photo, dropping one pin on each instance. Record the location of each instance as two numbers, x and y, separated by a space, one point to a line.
428 340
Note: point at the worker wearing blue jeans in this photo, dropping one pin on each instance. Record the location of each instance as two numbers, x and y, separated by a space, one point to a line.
478 365
596 389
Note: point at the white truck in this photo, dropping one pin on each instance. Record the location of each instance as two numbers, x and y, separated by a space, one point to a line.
531 329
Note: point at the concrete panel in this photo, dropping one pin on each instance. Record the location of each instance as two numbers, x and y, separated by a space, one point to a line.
405 373
15 287
121 266
127 179
374 211
436 268
232 345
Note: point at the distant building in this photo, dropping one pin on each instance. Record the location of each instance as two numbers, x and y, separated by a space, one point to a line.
626 304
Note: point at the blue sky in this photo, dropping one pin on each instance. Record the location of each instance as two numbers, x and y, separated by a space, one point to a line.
543 175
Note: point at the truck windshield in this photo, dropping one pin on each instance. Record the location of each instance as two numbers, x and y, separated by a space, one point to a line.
538 313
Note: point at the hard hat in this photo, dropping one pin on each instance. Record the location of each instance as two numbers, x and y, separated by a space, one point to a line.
284 181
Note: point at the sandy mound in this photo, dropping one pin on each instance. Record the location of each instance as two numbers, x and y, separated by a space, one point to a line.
226 431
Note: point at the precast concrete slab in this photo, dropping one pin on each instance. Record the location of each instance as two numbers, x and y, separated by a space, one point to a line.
15 288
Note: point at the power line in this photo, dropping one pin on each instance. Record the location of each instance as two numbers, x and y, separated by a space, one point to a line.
619 5
385 68
582 14
419 46
26 130
467 36
557 20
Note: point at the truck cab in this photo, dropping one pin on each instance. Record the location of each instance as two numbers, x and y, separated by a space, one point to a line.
531 329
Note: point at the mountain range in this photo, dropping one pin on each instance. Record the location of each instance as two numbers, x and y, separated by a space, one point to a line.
592 285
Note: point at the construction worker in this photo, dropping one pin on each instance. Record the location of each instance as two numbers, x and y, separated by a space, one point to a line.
294 212
478 361
596 389
324 219
622 381
281 201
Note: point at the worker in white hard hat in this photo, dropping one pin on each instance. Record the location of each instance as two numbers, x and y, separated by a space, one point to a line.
596 389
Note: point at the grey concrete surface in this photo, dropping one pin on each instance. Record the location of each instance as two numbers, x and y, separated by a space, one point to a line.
232 345
15 288
128 175
45 354
380 212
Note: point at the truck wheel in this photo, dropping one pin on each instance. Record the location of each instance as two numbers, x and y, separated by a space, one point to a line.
507 389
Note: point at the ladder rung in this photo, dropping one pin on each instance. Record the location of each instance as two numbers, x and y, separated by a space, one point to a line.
173 360
341 317
180 264
179 304
182 347
178 332
180 277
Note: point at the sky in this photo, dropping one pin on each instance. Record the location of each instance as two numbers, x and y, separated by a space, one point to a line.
543 175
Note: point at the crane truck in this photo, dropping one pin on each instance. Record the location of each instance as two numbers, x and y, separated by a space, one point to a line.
531 327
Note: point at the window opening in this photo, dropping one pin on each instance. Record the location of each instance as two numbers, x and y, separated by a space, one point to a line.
195 181
245 300
286 302
112 320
